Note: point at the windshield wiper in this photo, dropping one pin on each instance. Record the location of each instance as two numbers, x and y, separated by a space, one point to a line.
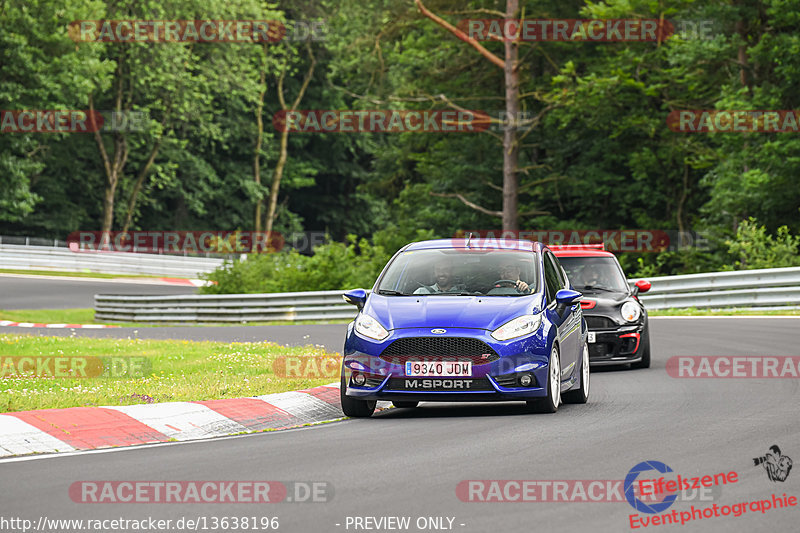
388 292
598 288
461 293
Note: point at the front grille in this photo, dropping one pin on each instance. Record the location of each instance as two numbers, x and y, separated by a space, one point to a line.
439 349
374 381
601 349
423 385
506 380
599 322
626 345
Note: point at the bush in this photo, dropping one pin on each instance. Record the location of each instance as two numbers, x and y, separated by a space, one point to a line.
754 248
686 261
334 266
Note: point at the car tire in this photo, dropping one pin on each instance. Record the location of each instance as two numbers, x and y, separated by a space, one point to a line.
404 404
581 394
550 403
645 348
353 407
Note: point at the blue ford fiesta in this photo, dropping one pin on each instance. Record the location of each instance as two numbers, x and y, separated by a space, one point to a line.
454 320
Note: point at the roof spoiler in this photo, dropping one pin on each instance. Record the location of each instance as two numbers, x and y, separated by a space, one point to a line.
600 246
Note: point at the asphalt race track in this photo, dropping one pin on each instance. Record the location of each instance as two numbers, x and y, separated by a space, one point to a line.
329 335
670 336
36 292
408 462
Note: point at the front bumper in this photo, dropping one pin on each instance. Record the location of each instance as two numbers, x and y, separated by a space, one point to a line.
497 380
618 346
480 390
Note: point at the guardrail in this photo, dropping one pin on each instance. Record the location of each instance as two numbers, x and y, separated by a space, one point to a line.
319 305
770 287
773 288
63 259
32 241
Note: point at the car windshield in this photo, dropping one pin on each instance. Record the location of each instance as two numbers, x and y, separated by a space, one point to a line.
461 272
594 273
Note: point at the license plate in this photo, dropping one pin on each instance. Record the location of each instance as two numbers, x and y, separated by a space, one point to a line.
439 368
592 336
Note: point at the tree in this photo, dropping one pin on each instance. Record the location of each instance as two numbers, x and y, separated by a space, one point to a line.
510 66
277 174
41 70
158 79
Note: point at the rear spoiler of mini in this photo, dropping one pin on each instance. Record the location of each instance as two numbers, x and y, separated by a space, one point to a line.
600 246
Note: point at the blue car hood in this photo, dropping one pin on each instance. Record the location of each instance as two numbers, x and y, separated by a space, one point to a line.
482 312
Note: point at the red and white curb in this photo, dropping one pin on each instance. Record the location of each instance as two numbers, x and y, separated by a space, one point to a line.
8 323
120 279
184 281
90 428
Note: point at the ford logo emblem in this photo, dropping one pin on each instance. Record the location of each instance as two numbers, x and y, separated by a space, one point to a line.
438 331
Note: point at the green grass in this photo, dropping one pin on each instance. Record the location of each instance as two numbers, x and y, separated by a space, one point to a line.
180 371
64 316
85 274
86 316
293 322
692 311
49 316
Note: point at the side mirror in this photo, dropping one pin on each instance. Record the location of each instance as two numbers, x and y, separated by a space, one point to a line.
641 286
567 297
357 297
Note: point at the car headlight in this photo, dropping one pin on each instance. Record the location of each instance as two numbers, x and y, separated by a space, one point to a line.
631 311
369 327
522 325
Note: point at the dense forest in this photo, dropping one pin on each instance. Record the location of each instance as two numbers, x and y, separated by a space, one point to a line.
590 145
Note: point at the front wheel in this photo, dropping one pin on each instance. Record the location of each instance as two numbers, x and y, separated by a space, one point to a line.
550 403
581 395
353 407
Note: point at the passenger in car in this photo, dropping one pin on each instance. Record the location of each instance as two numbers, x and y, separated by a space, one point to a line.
445 281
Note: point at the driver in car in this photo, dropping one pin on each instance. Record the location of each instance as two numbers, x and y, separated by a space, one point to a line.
591 277
443 272
511 271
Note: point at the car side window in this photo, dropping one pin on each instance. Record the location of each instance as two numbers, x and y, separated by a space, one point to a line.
563 282
551 280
